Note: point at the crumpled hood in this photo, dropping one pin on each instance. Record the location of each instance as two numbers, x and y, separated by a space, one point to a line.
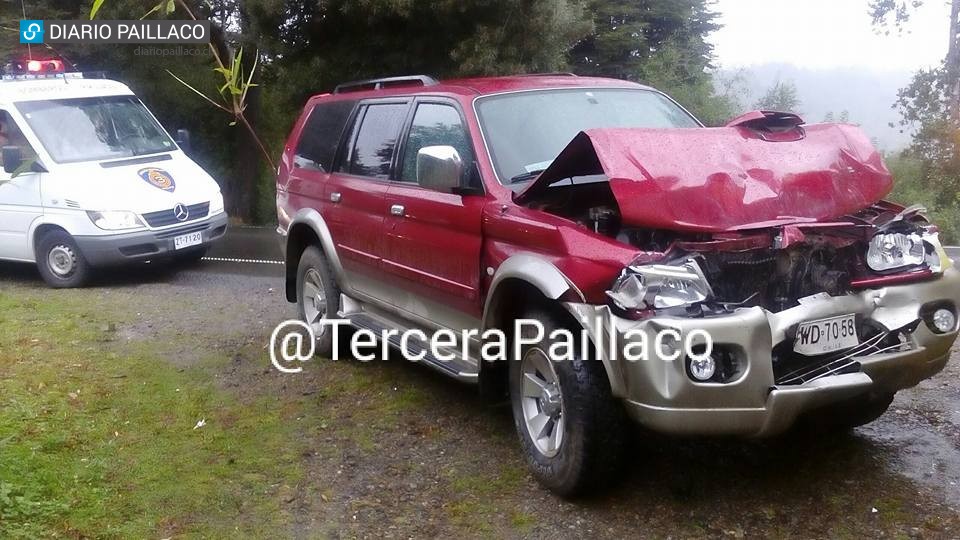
721 179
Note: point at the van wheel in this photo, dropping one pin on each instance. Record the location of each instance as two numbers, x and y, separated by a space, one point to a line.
571 428
60 261
318 297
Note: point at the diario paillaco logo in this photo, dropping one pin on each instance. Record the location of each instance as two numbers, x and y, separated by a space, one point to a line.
31 31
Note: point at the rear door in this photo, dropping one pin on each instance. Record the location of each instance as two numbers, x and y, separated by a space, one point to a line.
20 198
354 195
433 238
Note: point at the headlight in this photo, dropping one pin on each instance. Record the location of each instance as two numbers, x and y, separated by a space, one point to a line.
661 286
115 220
216 204
896 250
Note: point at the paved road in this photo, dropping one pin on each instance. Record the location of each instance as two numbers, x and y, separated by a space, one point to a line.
248 251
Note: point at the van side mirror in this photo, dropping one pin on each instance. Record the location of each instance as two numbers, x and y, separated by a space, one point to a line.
439 168
183 140
12 158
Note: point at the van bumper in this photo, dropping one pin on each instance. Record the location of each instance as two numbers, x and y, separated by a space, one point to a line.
114 249
761 399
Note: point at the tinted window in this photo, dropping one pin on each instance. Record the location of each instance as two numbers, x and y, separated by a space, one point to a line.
376 139
434 125
321 135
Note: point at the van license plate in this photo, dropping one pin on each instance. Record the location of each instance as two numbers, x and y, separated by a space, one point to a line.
187 240
826 335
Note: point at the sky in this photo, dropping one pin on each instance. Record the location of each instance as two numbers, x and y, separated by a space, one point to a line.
824 34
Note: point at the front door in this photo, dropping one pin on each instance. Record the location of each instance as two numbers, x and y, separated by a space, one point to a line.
20 197
434 238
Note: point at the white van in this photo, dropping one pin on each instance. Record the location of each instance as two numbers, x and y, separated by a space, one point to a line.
90 178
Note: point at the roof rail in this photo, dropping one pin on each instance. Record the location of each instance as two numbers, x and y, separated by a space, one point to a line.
550 74
377 84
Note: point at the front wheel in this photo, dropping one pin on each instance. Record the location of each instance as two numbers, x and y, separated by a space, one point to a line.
60 261
571 428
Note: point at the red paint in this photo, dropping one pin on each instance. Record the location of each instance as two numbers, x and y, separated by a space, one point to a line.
733 188
718 179
893 279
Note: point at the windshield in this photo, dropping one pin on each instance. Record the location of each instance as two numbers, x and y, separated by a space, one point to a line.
526 131
91 129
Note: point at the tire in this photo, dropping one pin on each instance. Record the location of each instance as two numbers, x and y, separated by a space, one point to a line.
589 450
315 276
60 261
847 414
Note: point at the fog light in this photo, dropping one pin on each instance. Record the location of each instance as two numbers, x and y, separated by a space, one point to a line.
702 369
944 320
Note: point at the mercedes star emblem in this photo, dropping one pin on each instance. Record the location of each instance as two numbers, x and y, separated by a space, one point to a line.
180 212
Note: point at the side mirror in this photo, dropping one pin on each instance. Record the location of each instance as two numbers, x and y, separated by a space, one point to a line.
12 158
183 140
439 168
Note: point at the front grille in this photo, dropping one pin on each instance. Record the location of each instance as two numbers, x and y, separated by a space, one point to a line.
790 368
165 218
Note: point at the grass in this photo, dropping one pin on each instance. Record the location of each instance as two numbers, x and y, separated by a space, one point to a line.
100 443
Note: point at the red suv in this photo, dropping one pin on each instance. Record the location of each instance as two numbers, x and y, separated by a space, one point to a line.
757 264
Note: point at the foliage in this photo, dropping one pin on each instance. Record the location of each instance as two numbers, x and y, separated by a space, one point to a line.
916 183
782 96
658 42
929 172
305 48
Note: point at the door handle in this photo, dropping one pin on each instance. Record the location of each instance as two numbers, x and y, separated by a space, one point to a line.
396 210
335 197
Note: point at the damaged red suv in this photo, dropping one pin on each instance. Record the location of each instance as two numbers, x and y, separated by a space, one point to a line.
597 204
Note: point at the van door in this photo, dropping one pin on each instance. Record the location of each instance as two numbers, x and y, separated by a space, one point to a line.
20 198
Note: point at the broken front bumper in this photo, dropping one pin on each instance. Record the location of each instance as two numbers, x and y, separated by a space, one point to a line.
661 395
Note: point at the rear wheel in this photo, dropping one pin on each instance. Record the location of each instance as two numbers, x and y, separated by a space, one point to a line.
60 261
571 428
318 297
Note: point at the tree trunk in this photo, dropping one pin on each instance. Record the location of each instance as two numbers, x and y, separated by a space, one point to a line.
953 61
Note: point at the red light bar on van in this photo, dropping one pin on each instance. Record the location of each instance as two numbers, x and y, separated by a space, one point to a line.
35 66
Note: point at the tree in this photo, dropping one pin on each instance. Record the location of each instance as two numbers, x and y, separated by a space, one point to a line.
658 42
930 107
782 96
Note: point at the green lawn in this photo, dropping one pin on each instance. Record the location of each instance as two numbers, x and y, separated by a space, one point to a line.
97 438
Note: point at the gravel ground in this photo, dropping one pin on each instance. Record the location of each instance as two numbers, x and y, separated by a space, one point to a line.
398 451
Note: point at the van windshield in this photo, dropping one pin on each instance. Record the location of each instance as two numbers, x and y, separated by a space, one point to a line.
97 128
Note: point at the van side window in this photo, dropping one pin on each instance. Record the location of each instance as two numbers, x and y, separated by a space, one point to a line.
434 124
321 135
10 135
376 139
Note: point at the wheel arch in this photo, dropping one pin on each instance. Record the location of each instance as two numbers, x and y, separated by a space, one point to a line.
523 280
308 228
42 227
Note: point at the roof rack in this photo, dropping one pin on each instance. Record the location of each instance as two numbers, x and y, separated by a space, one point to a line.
550 74
378 84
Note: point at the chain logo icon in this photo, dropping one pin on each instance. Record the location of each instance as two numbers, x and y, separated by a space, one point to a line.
31 31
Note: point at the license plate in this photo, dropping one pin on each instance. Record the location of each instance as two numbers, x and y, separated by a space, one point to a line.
187 240
826 335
